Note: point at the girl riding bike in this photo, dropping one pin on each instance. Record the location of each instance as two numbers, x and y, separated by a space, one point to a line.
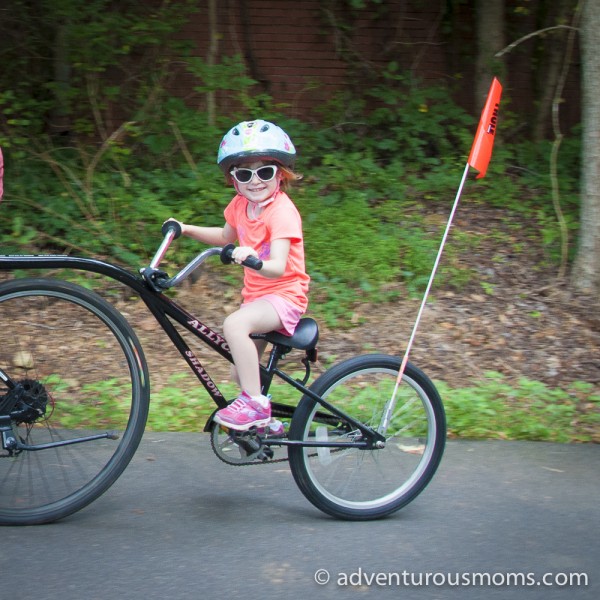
257 158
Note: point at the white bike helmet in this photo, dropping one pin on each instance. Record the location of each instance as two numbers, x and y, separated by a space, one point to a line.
260 139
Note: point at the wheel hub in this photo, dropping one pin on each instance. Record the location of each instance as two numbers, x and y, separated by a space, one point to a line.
29 401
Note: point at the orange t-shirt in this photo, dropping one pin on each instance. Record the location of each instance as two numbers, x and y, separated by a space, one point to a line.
279 220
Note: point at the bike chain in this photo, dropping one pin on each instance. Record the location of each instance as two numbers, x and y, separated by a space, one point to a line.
269 461
252 462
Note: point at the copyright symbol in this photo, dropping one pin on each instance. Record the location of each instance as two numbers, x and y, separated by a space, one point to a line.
322 576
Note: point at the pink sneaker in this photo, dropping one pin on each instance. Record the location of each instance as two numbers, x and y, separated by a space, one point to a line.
244 413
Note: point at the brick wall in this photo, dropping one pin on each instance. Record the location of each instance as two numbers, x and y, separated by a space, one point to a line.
294 49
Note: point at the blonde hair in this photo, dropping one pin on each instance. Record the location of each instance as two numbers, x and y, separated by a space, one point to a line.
288 177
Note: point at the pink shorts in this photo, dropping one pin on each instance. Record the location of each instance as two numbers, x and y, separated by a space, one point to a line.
289 313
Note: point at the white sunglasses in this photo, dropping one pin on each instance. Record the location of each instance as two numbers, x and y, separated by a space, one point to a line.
243 175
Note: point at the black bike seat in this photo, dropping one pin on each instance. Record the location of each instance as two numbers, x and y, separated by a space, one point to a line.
305 337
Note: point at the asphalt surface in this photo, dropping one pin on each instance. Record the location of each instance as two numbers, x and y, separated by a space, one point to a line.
496 519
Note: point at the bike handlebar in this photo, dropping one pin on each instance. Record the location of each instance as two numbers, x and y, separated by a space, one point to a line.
171 230
171 226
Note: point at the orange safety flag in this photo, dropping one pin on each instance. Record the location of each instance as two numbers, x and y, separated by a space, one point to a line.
481 151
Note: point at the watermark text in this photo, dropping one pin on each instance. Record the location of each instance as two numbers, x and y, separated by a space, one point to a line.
364 578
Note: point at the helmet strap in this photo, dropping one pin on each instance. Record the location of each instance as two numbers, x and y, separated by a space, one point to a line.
255 205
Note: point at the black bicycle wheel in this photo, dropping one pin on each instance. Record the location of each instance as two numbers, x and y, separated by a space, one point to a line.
358 484
80 373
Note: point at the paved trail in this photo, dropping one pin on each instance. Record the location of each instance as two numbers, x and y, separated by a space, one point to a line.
183 525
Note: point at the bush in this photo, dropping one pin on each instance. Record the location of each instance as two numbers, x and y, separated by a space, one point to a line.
374 167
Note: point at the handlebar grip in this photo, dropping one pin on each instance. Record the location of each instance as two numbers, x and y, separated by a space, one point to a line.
226 254
251 262
171 226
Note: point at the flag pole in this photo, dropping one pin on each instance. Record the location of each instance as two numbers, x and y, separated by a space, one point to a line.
391 404
479 158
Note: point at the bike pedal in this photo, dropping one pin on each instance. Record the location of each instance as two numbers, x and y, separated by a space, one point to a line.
236 433
266 454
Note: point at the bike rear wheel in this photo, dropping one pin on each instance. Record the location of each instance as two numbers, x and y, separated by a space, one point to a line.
80 373
361 484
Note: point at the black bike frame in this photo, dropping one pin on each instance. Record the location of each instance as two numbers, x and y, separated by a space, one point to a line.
164 309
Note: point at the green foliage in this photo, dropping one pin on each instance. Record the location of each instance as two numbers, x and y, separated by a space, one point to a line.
173 408
92 44
382 158
489 409
531 410
363 201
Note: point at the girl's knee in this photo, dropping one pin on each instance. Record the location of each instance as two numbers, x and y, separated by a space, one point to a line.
235 324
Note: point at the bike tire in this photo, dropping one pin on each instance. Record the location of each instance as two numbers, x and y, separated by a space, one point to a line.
85 373
363 484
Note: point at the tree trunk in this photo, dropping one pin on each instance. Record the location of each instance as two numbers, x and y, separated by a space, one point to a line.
550 59
211 59
60 118
490 40
586 271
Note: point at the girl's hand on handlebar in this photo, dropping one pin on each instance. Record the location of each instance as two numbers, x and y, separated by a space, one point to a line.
251 259
178 225
241 253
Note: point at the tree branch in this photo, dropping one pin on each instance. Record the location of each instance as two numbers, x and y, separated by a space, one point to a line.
514 44
558 137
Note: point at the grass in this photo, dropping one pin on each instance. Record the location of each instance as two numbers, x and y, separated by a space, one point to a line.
529 410
489 409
